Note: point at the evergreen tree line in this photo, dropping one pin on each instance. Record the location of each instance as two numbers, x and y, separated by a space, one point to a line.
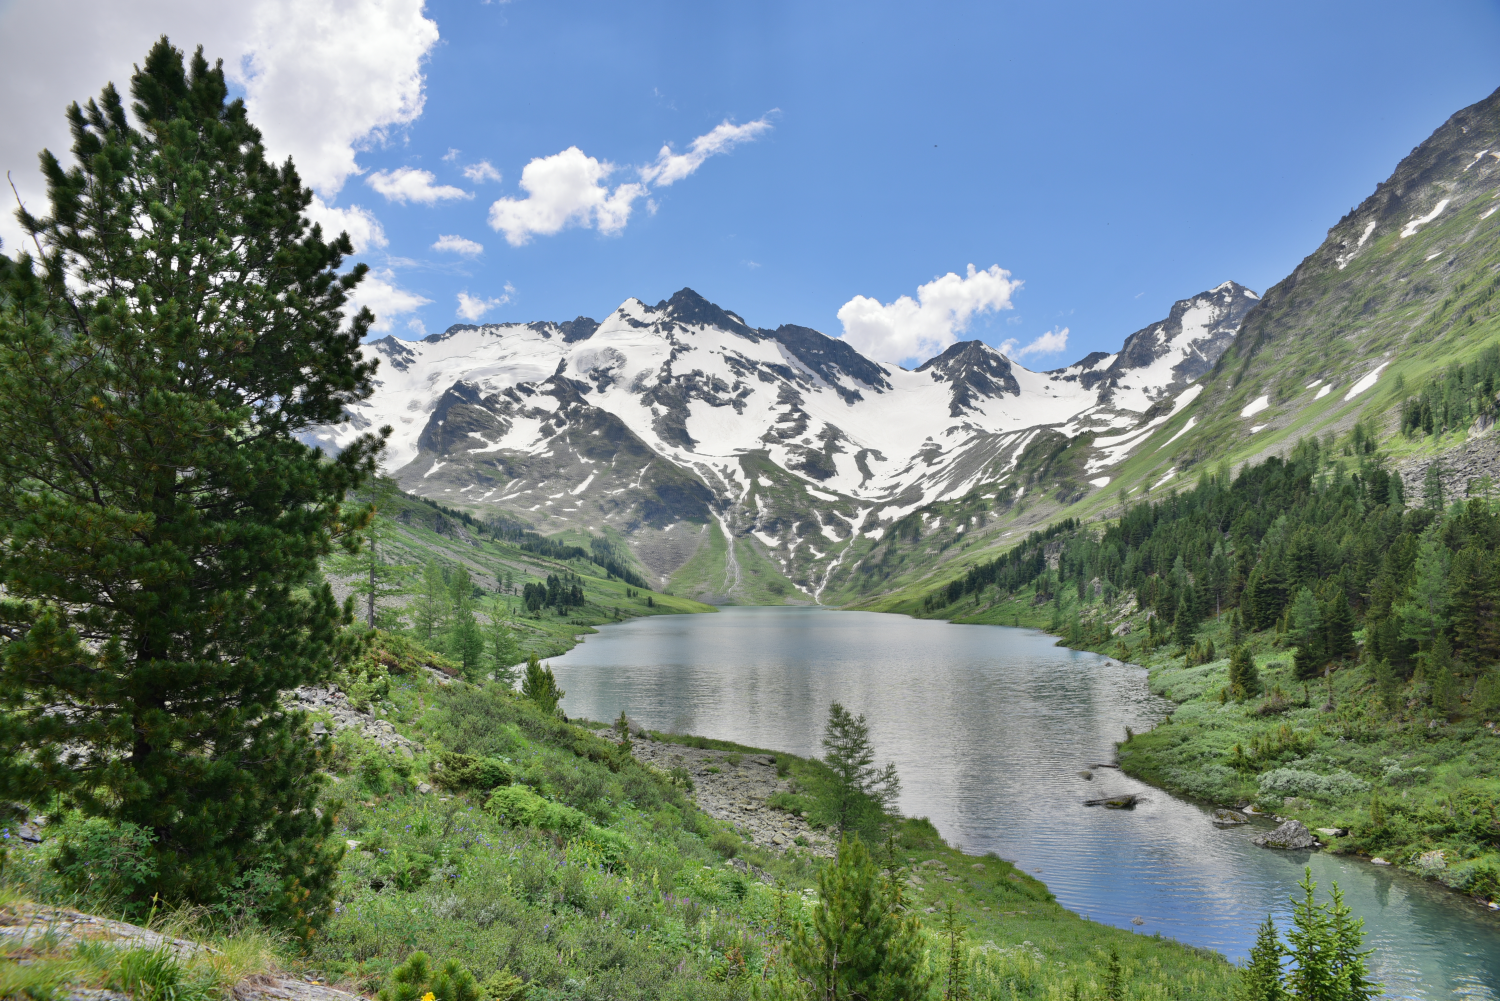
559 592
1312 545
443 611
601 552
1455 398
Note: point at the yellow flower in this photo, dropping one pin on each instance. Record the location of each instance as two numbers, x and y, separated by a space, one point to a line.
428 997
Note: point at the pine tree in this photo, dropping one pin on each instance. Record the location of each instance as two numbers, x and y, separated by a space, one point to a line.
504 650
1261 979
466 642
1244 679
857 795
372 578
1338 626
958 958
540 685
163 524
859 943
1114 977
1312 948
431 605
1306 629
1351 973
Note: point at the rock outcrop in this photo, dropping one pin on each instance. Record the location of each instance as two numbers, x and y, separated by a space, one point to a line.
1290 835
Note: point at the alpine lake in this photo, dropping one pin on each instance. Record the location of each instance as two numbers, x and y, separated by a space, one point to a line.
992 729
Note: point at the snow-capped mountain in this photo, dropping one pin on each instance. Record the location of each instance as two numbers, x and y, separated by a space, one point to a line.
663 420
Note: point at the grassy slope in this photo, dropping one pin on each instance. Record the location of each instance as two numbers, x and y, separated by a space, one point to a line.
672 916
411 539
664 922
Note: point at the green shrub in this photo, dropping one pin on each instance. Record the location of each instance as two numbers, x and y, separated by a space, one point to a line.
726 843
470 771
414 979
100 861
1295 782
519 806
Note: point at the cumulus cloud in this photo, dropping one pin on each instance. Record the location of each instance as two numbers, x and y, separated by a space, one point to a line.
363 228
458 245
565 189
385 298
569 189
672 167
481 172
408 184
471 308
1049 343
323 79
919 328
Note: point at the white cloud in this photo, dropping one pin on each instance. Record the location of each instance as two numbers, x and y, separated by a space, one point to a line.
472 307
408 184
565 189
568 189
386 300
322 78
672 167
481 172
363 228
919 328
326 77
458 245
451 155
1049 343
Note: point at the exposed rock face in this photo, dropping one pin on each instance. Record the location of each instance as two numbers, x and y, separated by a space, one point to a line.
337 705
1290 835
683 412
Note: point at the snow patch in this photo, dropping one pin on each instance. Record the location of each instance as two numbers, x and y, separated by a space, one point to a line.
435 467
1184 430
763 481
1257 428
1100 481
765 539
1410 229
1324 391
584 485
1162 482
1313 384
1367 381
821 495
1431 256
1256 405
1487 213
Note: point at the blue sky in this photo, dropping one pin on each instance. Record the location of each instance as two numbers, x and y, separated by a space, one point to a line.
1112 158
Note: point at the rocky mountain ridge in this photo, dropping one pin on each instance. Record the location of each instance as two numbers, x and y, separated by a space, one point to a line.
679 423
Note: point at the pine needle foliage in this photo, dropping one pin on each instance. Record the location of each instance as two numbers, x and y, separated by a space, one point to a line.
180 325
858 795
860 945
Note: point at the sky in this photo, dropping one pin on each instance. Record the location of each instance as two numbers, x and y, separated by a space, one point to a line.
1045 177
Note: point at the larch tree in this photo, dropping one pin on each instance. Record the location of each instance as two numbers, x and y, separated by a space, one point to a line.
179 326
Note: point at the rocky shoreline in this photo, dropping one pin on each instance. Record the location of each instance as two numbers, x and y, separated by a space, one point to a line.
734 787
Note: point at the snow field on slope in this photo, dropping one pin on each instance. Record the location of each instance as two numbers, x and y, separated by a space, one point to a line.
1196 325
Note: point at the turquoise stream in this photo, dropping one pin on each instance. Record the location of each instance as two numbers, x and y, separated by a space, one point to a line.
989 727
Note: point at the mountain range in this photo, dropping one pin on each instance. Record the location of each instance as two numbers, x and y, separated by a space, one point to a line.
747 464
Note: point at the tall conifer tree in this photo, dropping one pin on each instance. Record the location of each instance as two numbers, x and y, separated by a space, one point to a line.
180 326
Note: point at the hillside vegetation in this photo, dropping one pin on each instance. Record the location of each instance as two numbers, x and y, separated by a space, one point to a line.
1333 648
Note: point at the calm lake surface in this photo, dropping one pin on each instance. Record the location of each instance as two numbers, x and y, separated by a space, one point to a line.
989 727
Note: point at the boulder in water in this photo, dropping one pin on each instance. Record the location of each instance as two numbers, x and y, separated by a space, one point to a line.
1226 818
1126 802
1290 835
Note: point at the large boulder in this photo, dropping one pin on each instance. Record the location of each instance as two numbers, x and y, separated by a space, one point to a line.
1291 835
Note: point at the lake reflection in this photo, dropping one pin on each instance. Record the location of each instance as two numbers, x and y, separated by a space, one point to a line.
990 727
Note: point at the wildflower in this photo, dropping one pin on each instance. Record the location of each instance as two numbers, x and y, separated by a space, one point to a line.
428 997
